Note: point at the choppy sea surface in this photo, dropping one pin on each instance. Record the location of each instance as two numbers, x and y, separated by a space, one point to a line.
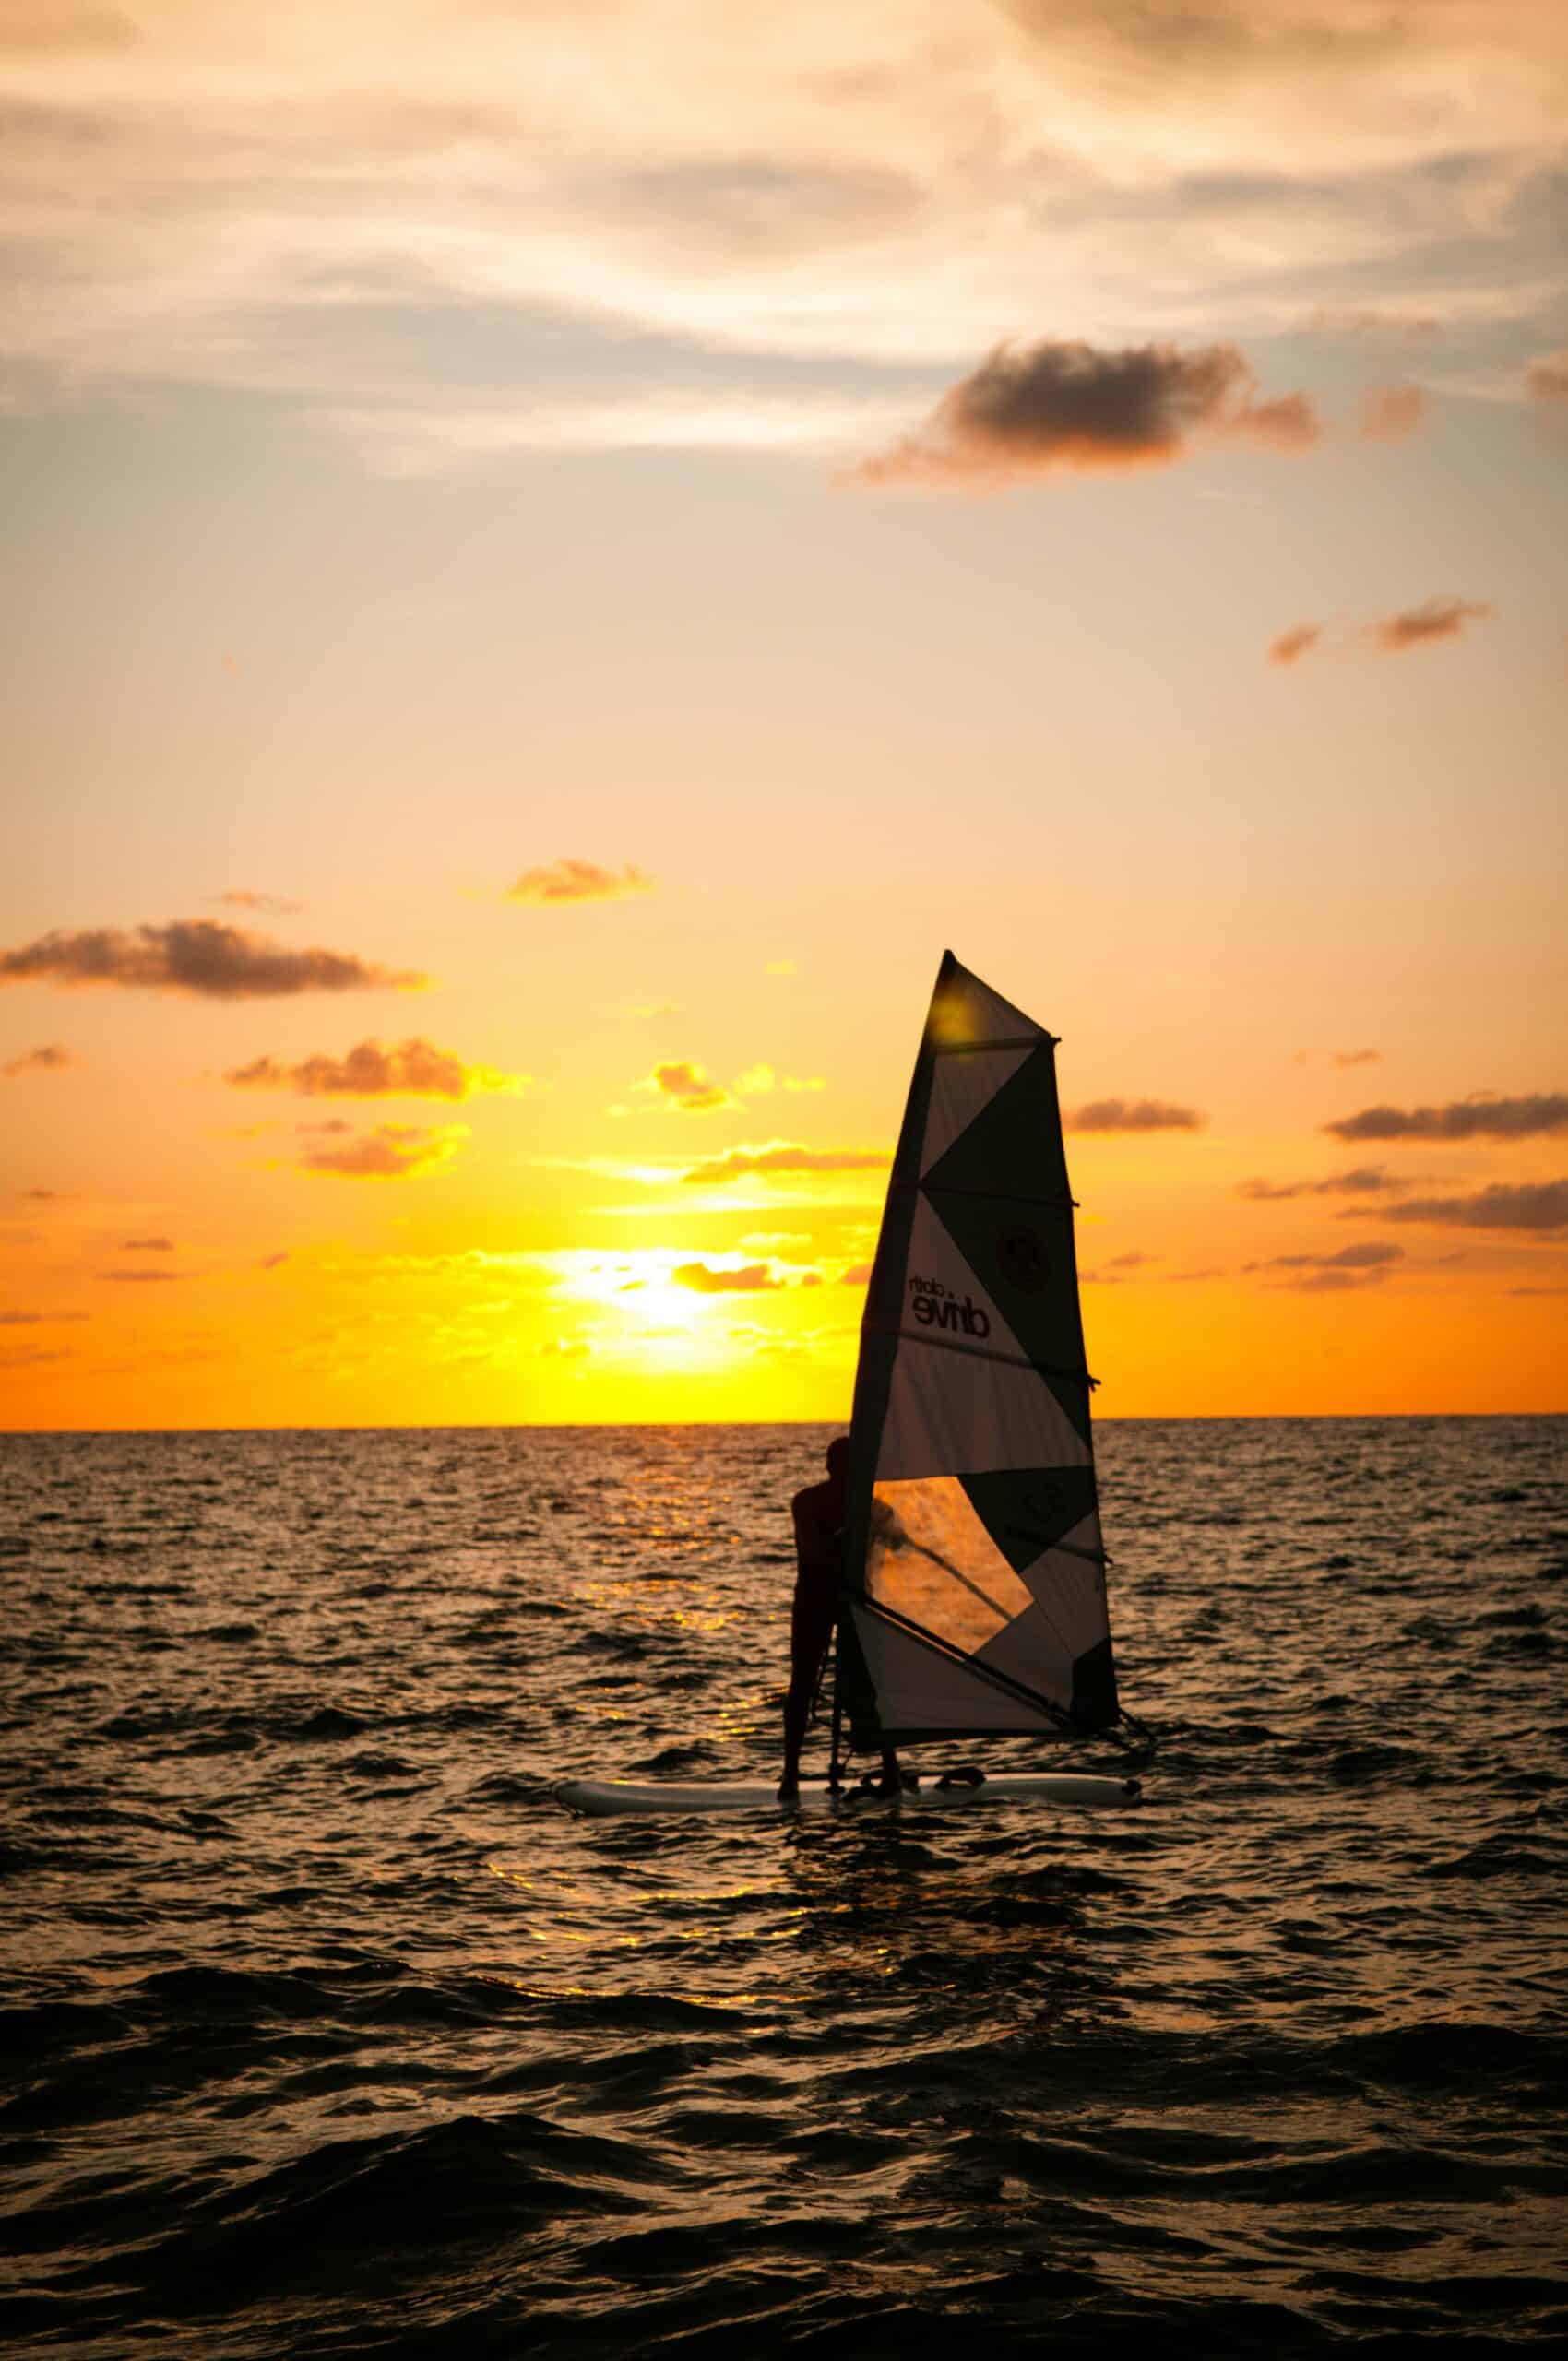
327 2032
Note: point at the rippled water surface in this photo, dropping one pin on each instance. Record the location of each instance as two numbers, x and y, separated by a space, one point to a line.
328 2032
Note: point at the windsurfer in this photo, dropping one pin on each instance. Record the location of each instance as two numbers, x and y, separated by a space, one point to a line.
819 1512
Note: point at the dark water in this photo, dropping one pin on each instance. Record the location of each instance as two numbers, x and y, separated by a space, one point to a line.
327 2032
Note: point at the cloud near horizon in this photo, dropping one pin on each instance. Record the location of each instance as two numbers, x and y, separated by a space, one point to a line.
392 1152
199 956
781 1156
1534 1116
1541 1205
577 881
1546 379
702 1278
411 1069
272 905
1028 411
1418 626
1134 1115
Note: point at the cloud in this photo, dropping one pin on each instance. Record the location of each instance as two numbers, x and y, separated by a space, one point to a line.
142 1279
37 1319
753 1278
1390 413
602 192
412 1069
392 1152
147 1246
780 1157
1365 1179
1358 1056
196 956
273 1261
757 1081
1033 410
1416 626
1484 1117
1408 328
1293 644
273 904
1539 1205
1546 380
1134 1115
577 881
1324 1273
1131 1261
686 1086
50 1058
857 1275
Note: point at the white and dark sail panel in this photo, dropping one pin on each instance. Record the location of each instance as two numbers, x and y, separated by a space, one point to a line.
976 1583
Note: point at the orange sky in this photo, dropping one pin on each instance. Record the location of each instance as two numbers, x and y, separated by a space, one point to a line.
559 557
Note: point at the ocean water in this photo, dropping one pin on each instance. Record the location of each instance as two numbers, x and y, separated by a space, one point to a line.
327 2032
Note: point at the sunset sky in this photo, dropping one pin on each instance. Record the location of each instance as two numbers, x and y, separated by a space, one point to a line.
559 554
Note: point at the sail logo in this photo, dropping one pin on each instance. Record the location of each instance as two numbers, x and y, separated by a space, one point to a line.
935 1306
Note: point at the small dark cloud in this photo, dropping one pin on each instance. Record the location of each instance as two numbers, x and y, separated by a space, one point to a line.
412 1069
858 1275
1389 413
392 1152
273 1261
1357 1057
147 1246
1363 1181
1418 626
577 881
42 1197
1482 1118
142 1279
1033 410
753 1278
49 1058
196 956
688 1087
1134 1115
1561 1290
37 1319
1546 379
780 1157
1292 644
1131 1261
1541 1205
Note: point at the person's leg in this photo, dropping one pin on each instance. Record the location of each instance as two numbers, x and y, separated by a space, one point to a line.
811 1627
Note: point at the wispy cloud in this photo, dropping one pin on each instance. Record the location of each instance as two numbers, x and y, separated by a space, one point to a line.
1435 619
1357 1057
1323 1273
1541 1205
1391 413
196 956
48 1059
1134 1115
1546 379
780 1157
1034 410
1484 1117
272 905
565 882
411 1069
1292 644
147 1246
392 1152
1364 1179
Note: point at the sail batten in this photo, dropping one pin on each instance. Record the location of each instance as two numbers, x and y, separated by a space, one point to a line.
974 1572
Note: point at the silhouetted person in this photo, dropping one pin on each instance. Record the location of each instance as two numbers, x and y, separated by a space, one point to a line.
819 1513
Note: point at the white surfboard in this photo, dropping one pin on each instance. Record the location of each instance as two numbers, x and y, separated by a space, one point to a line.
601 1797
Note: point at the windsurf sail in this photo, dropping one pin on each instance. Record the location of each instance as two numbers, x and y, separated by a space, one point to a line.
975 1575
